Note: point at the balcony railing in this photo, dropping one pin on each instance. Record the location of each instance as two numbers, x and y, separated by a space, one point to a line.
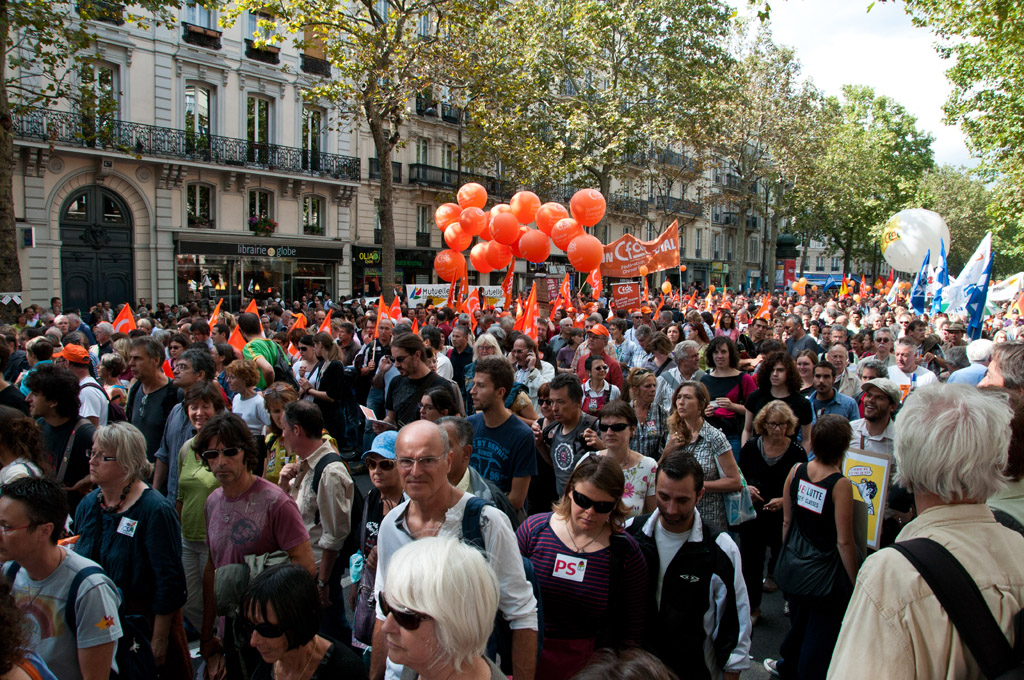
426 107
315 65
102 10
678 205
396 170
728 181
451 114
268 54
448 178
201 36
422 240
627 204
73 129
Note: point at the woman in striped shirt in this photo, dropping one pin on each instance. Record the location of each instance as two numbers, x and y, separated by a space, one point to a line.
592 576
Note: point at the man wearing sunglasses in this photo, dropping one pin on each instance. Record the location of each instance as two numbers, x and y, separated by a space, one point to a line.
883 348
436 508
689 562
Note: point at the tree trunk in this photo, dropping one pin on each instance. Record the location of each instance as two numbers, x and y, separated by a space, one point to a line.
383 144
10 267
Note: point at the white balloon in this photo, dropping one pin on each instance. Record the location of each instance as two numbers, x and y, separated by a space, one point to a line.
909 234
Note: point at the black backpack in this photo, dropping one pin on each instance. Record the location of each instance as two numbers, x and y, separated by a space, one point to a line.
351 545
959 596
115 412
134 656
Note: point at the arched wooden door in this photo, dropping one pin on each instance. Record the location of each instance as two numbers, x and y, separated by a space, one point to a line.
96 259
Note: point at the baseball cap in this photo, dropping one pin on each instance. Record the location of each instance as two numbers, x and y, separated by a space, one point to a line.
956 326
599 329
384 445
73 354
887 386
645 310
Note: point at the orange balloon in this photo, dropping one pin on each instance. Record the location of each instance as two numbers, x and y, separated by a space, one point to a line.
587 206
525 205
485 234
565 231
682 268
814 289
856 298
445 214
535 246
472 195
500 208
711 288
449 265
666 288
548 215
473 221
585 253
457 238
505 229
498 255
516 251
803 281
478 258
643 270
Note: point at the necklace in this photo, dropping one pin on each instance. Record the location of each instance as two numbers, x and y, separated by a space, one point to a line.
572 539
114 509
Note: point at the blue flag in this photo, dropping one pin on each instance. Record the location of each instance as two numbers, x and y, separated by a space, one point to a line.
830 283
942 277
978 293
919 291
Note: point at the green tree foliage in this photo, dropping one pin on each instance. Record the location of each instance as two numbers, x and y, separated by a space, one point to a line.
44 47
384 53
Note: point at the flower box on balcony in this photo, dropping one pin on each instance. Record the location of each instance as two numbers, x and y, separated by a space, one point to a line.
262 226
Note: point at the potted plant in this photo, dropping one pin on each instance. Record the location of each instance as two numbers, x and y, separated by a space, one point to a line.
262 225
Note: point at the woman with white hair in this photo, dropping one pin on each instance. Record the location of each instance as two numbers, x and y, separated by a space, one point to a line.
486 345
133 533
440 601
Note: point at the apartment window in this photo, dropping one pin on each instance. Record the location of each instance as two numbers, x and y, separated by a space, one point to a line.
199 204
450 155
257 32
378 238
424 219
650 231
312 136
422 151
819 263
258 129
261 204
423 25
700 232
101 101
197 15
381 7
312 215
837 263
716 245
198 114
729 246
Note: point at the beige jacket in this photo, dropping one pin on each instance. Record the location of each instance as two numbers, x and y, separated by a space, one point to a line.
895 628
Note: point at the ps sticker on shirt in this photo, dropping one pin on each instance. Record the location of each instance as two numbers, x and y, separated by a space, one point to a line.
570 567
810 496
127 527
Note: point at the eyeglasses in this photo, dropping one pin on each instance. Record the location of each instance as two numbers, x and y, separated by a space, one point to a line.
142 405
426 461
776 424
265 630
614 427
92 453
230 452
599 368
406 618
426 407
385 465
585 503
6 530
399 358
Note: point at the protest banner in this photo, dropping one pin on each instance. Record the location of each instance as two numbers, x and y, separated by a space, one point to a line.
626 295
869 473
624 256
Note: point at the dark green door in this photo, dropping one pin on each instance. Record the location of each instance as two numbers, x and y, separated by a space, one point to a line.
96 255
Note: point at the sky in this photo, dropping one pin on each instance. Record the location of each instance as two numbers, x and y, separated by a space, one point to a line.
839 42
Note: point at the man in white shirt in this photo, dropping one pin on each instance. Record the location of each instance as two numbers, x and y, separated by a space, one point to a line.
906 373
92 396
876 432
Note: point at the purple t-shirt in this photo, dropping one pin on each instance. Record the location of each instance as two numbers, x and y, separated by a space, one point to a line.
261 520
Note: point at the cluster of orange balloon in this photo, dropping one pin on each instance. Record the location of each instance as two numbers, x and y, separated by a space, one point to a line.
504 234
800 286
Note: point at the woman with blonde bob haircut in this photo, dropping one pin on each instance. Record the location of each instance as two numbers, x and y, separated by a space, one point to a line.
440 601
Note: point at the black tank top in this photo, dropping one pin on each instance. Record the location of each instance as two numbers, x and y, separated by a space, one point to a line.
814 508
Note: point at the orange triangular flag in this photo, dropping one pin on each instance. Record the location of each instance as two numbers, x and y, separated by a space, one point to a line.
300 322
251 308
519 318
532 311
661 303
216 312
416 326
506 286
764 312
125 320
167 369
325 327
396 309
236 340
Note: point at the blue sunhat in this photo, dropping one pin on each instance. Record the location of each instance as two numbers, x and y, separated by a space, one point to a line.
384 445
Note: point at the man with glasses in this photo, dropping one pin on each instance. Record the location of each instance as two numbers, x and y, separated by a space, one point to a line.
33 511
247 515
402 400
882 339
194 365
152 397
436 508
597 343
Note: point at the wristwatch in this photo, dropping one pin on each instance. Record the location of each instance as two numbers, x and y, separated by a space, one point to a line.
321 584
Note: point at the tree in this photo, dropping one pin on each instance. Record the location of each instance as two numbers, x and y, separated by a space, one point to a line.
42 47
384 53
585 90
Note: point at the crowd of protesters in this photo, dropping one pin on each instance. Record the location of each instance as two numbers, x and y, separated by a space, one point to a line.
179 495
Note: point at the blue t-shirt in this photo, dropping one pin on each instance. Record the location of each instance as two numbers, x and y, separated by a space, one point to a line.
503 452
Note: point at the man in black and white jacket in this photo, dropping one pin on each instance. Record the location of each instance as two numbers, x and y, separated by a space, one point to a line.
698 600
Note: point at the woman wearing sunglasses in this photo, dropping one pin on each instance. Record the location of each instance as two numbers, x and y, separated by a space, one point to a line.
615 427
439 605
131 531
282 612
381 499
592 576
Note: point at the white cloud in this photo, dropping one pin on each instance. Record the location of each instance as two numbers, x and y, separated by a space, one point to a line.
839 42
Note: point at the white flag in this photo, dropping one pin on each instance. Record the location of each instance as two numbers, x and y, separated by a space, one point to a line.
959 293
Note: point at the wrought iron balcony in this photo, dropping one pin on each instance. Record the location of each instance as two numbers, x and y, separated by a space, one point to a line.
396 170
268 54
448 178
315 65
451 114
101 10
621 203
201 36
73 129
679 205
668 157
426 107
422 240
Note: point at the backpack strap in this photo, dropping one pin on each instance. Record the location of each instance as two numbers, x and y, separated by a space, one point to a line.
318 472
67 450
11 572
70 608
959 596
472 533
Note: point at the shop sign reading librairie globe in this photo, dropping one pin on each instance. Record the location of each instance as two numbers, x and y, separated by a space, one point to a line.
266 251
258 250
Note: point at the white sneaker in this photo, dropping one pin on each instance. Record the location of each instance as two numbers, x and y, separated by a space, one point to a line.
772 666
